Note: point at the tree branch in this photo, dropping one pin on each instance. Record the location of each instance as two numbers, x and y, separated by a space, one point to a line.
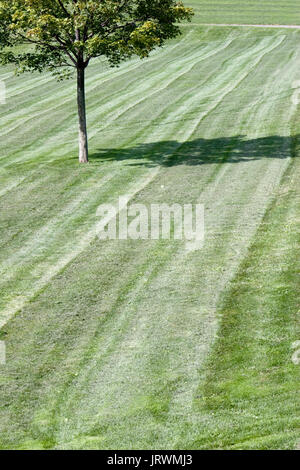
65 49
63 8
50 46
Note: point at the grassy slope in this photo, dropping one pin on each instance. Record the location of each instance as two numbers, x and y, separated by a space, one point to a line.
246 11
107 342
252 388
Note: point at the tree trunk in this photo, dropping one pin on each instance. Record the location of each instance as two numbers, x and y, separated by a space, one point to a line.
83 139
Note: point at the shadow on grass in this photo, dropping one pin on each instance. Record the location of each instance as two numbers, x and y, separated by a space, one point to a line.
201 151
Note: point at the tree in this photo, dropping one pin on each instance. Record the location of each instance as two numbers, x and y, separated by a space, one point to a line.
66 34
4 27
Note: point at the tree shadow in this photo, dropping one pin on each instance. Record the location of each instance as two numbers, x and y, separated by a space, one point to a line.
201 151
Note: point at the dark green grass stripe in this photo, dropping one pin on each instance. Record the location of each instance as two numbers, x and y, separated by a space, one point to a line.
251 376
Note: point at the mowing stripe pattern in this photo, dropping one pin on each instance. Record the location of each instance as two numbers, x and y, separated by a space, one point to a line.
109 343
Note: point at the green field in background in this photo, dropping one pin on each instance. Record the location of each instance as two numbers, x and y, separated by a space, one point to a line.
246 11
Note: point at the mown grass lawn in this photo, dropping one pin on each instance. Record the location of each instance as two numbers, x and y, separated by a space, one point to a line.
141 344
246 11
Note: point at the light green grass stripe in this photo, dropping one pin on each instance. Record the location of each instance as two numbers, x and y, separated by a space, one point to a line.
124 329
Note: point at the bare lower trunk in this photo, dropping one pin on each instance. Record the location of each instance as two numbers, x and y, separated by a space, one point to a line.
83 139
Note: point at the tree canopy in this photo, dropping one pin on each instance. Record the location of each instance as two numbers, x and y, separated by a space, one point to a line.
66 34
4 26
